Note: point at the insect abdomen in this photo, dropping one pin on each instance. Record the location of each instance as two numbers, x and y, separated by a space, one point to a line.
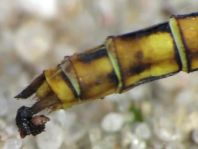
125 61
121 63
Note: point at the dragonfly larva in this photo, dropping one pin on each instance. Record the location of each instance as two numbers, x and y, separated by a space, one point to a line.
119 64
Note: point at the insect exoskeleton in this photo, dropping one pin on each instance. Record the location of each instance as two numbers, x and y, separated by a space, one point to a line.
119 64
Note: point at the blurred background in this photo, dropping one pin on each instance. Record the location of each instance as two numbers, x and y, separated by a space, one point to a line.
37 34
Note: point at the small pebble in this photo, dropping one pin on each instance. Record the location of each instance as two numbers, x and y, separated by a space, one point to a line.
63 118
52 138
137 143
137 93
165 130
143 131
33 40
95 135
126 137
112 122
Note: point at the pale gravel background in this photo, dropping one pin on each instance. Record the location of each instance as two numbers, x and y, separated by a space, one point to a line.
35 35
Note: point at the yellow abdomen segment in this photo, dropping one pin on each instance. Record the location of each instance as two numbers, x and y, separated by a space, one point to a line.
95 73
147 54
60 85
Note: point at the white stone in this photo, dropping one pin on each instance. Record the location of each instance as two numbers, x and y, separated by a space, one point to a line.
63 118
126 138
165 130
139 92
52 138
33 40
143 131
112 122
137 143
95 135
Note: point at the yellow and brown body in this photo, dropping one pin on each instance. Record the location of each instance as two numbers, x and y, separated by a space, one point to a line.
121 63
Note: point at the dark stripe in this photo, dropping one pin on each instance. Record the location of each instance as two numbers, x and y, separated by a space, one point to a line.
136 69
92 55
67 81
113 78
194 14
163 27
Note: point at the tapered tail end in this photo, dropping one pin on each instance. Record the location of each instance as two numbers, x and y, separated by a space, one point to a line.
31 89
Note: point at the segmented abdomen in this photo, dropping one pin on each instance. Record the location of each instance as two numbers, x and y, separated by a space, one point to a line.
126 61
